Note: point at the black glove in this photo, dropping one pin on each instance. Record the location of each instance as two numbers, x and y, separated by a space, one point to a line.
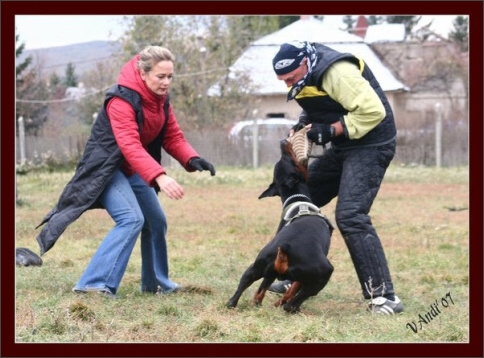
320 133
201 164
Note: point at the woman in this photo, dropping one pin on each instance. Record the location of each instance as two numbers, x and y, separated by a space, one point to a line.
120 171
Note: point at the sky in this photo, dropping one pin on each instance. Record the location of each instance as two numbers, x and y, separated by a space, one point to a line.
40 31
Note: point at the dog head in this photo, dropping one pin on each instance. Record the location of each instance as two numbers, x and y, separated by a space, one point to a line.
288 173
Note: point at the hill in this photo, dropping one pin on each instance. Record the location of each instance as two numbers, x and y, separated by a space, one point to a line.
84 56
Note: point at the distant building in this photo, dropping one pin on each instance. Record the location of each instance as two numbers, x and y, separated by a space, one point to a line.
256 62
78 92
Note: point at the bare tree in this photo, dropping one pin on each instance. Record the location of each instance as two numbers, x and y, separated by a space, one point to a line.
96 82
30 93
205 47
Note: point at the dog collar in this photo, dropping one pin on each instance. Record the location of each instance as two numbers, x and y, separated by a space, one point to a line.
294 196
300 208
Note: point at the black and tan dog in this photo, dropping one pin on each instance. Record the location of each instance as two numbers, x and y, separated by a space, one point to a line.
299 250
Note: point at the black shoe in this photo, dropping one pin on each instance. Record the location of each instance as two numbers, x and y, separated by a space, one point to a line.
382 305
281 286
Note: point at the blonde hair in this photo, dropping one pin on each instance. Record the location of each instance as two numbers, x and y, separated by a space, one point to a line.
151 55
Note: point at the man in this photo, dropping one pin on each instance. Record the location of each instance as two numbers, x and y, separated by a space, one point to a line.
344 104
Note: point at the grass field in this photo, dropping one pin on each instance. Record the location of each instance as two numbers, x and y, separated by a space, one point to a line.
215 232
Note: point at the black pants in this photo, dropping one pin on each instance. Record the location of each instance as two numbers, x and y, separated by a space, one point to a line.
355 176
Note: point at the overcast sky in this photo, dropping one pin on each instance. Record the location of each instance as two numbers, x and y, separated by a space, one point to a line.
39 31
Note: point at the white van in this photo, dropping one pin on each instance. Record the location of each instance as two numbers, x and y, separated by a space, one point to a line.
268 129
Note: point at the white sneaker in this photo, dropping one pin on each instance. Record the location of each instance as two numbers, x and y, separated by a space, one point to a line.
382 305
280 287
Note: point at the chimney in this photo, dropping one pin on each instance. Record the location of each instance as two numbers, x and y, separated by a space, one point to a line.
361 26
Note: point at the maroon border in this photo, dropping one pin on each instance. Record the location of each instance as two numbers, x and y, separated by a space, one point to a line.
11 8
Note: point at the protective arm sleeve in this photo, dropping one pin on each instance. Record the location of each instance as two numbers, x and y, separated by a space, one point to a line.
344 83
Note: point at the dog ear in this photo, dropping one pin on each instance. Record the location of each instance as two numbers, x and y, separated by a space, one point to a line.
270 191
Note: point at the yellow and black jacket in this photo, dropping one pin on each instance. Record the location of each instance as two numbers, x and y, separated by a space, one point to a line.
333 92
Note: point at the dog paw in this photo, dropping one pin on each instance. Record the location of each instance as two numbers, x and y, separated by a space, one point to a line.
257 302
291 309
278 303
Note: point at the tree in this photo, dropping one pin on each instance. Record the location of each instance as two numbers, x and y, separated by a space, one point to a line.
375 20
246 29
71 79
460 33
205 47
143 31
56 87
287 20
30 95
19 69
348 21
101 78
26 63
54 80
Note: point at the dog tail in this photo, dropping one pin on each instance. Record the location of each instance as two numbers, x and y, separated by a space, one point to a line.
281 263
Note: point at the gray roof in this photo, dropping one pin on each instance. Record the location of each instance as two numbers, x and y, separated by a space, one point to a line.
256 61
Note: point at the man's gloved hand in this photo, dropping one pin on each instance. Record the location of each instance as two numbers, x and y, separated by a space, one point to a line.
320 133
201 164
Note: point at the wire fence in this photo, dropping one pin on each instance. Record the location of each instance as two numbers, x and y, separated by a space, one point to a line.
413 148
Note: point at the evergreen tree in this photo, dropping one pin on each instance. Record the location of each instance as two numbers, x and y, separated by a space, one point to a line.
71 79
30 92
375 20
349 22
54 80
56 87
460 33
287 20
26 63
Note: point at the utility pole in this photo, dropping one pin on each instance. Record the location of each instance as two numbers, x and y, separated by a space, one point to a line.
438 135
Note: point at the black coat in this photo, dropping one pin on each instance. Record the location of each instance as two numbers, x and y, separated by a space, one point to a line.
99 161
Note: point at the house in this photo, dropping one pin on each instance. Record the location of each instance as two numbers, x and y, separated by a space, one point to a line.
257 62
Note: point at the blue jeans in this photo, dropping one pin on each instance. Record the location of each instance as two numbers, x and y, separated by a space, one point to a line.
135 209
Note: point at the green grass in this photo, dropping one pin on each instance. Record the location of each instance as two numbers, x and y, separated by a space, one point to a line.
215 232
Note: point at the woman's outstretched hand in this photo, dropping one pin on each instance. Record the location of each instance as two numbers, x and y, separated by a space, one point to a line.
170 187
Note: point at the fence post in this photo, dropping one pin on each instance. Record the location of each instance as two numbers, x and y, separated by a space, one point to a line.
438 135
21 139
255 144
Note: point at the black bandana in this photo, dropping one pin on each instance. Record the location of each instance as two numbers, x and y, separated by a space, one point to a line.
310 53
